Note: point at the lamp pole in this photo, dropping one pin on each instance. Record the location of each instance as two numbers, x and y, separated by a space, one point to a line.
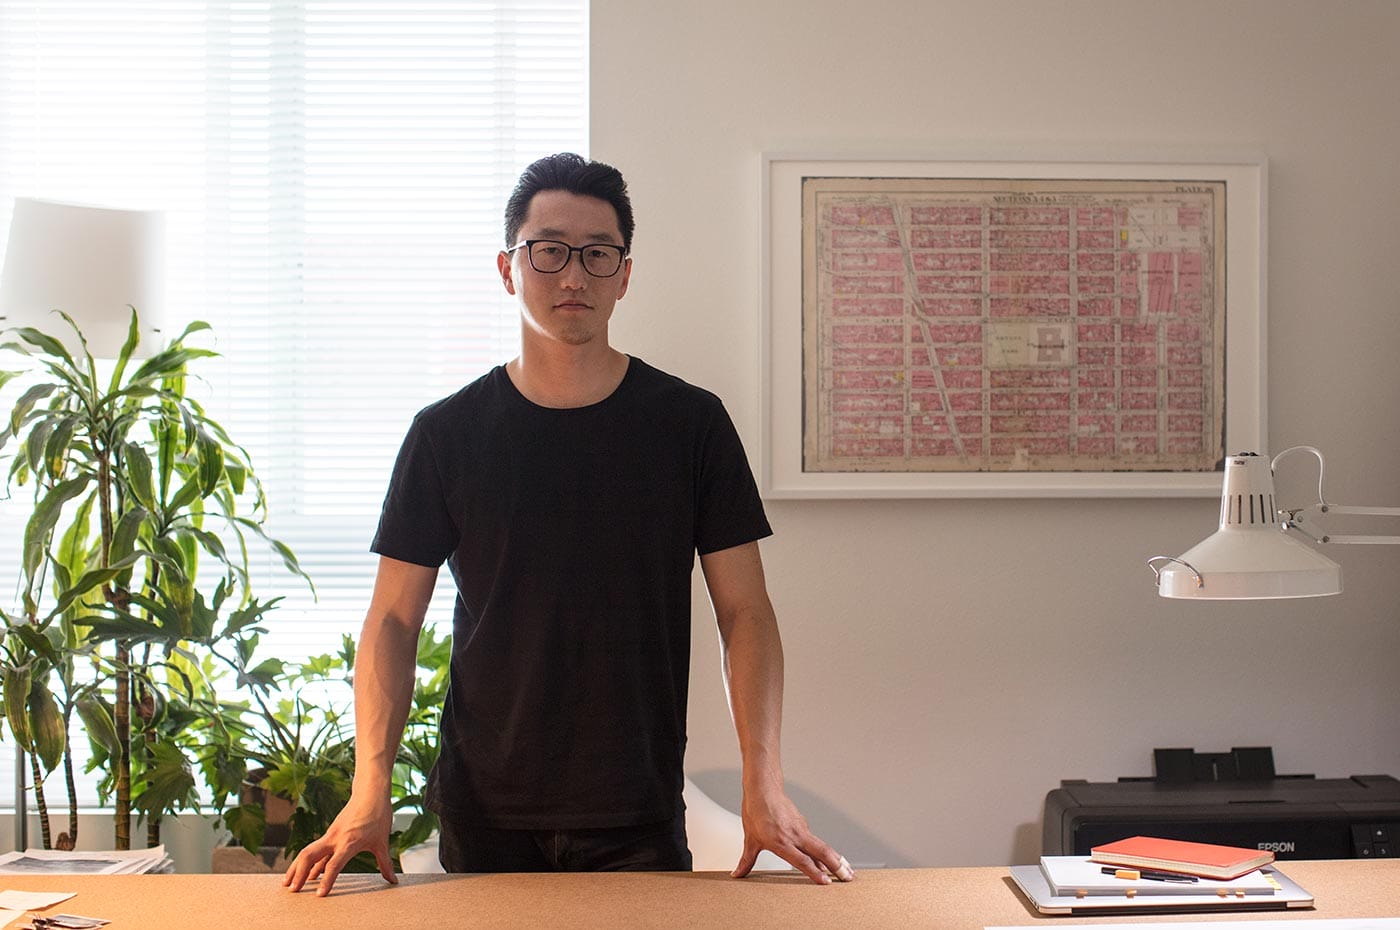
21 805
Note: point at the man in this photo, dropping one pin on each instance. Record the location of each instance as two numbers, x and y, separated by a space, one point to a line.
569 492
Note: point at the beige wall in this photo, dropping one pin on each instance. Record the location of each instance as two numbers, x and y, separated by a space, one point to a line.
949 661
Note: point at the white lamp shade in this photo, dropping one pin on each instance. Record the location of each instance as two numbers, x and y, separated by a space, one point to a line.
1250 556
93 263
1236 564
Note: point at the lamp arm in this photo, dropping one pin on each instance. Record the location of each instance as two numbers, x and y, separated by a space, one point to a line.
1307 520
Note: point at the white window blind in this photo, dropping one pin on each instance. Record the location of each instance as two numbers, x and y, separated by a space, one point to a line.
334 175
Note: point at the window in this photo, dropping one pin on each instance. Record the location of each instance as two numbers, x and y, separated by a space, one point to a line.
334 175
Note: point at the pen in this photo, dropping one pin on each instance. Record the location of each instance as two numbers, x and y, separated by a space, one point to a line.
1133 874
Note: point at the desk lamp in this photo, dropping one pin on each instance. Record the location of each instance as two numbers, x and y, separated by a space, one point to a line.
95 264
1256 553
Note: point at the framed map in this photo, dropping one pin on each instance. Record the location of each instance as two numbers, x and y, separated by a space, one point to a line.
1010 328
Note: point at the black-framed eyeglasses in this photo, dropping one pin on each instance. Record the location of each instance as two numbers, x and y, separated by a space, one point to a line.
550 256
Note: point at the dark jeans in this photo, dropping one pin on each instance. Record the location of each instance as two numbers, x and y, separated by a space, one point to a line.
651 847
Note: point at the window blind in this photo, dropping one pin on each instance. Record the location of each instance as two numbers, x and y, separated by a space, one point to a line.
334 175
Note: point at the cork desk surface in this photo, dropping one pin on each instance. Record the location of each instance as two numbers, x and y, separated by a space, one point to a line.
944 898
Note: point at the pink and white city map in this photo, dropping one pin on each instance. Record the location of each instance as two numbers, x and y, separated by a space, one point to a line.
1013 325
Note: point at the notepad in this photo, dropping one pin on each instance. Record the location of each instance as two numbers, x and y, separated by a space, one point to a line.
1205 859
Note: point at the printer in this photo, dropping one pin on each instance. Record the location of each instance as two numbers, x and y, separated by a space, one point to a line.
1235 799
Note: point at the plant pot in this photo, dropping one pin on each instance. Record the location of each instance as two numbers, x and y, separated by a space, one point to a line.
276 809
235 859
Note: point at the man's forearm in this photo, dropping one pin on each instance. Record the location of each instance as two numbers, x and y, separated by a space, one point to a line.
752 653
384 680
753 678
753 667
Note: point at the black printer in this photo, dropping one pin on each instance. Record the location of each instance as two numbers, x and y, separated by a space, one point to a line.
1235 799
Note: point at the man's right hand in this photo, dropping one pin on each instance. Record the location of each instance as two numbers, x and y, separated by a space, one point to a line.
361 826
384 665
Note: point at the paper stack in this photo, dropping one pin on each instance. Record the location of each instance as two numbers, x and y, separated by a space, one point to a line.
1077 876
92 862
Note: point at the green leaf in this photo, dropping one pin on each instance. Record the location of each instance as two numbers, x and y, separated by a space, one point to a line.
195 326
208 541
237 475
36 642
122 626
49 733
126 532
265 674
74 555
248 824
168 782
17 682
36 442
7 376
39 529
133 337
77 331
168 451
97 719
157 706
325 791
169 362
418 830
189 424
223 770
201 623
288 779
22 408
246 646
172 557
56 449
188 494
246 618
211 461
289 558
45 343
138 475
91 581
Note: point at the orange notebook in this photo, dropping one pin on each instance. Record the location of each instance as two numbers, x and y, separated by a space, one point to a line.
1204 859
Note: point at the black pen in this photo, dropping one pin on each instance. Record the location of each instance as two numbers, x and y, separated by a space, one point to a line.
1134 874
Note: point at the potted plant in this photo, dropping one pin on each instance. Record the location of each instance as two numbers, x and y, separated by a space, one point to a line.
296 733
135 489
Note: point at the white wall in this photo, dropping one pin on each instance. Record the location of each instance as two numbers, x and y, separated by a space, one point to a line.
949 661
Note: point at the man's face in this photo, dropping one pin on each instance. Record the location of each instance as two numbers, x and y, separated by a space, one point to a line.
569 307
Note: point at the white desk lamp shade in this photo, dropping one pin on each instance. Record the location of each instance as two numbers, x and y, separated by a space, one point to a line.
1250 556
93 263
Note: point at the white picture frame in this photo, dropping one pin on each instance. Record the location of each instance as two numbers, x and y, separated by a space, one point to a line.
781 470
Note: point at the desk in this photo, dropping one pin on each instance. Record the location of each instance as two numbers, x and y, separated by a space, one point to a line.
946 899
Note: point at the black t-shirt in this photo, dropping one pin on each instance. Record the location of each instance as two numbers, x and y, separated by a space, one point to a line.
571 535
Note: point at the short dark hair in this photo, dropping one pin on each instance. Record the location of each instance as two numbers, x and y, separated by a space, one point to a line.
577 175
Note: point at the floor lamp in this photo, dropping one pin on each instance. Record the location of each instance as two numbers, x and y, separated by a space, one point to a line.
94 264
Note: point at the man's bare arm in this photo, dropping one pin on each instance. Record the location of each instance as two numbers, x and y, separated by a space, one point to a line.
384 677
753 674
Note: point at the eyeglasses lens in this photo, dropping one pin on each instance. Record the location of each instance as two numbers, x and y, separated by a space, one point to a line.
599 260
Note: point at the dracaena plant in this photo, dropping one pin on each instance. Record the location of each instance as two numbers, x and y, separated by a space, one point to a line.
138 498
